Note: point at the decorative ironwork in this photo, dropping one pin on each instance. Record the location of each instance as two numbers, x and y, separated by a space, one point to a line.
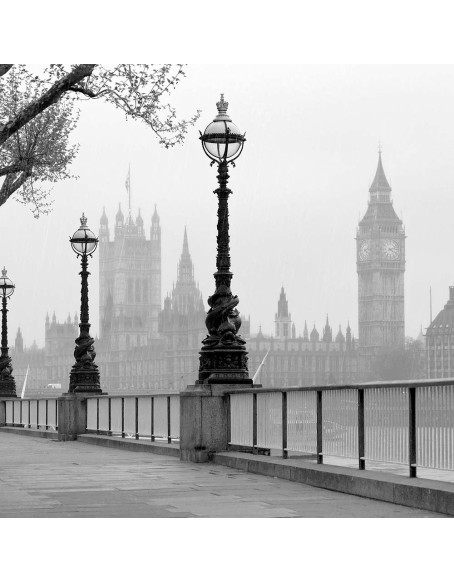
223 357
84 376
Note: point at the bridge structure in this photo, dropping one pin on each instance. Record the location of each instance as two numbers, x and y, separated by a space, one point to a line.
371 440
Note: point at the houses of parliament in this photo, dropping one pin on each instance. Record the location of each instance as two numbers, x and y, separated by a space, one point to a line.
146 345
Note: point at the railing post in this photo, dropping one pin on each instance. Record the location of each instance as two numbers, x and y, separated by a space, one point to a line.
29 414
20 413
254 423
123 418
169 439
229 420
47 415
12 420
412 431
361 443
319 428
37 414
284 426
152 419
136 427
97 416
2 412
109 408
56 413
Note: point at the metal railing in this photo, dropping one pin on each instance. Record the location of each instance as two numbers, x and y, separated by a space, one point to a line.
155 417
32 413
396 422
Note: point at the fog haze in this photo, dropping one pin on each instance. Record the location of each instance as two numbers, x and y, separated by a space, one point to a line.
299 189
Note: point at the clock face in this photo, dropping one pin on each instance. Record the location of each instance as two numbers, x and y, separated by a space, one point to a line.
390 249
364 250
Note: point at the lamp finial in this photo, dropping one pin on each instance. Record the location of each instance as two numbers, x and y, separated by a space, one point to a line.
3 272
222 105
83 220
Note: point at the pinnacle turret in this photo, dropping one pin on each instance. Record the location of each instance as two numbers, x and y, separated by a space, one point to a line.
120 216
185 267
340 336
104 220
315 336
327 331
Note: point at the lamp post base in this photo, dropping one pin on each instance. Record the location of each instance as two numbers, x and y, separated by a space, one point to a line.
223 366
8 388
84 381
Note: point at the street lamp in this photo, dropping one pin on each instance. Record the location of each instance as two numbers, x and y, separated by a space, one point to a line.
7 382
223 356
84 376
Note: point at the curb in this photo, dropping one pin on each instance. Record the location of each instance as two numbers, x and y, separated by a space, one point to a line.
33 432
425 494
130 444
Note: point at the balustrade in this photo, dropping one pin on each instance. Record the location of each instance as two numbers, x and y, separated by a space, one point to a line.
410 423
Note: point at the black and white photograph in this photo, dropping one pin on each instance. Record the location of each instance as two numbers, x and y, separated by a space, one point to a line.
227 289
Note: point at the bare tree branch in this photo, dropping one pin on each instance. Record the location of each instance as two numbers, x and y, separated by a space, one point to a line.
13 168
46 100
10 185
4 69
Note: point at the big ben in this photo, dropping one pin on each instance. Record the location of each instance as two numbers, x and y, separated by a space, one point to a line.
380 260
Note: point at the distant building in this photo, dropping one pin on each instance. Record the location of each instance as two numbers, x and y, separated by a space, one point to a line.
303 360
440 342
144 347
129 281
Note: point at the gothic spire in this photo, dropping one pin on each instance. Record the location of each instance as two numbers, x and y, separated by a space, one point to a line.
155 217
104 219
185 267
282 305
380 183
185 252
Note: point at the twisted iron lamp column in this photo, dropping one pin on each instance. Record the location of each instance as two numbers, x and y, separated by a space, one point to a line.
7 382
84 376
223 357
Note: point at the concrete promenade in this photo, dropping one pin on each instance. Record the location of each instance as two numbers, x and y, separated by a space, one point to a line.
47 478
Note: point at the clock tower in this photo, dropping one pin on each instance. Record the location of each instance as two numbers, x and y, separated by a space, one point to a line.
380 256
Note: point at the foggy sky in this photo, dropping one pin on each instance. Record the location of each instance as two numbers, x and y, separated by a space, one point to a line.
299 189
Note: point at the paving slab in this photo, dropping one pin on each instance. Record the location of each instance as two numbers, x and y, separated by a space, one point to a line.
47 478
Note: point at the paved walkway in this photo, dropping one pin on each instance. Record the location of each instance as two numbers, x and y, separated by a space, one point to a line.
46 478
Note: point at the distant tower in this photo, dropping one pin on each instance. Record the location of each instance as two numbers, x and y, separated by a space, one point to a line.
380 245
19 342
129 281
182 322
104 227
283 319
327 332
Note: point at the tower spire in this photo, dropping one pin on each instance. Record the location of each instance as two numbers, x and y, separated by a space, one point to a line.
185 243
380 183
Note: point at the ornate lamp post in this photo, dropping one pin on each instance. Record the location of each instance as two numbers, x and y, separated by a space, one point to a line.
223 357
7 382
84 376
